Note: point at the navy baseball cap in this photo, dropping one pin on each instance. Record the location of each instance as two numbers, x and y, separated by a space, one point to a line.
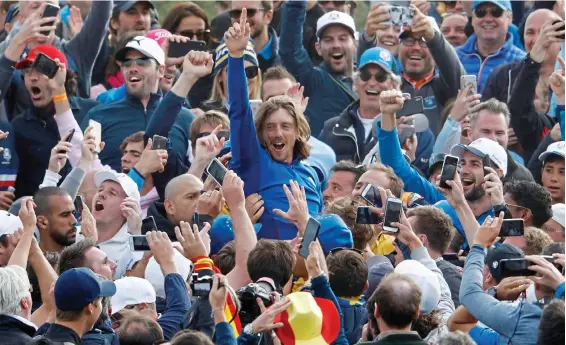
495 255
504 4
123 6
78 287
377 56
12 13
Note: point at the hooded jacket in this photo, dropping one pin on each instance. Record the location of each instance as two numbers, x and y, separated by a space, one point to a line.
482 67
259 171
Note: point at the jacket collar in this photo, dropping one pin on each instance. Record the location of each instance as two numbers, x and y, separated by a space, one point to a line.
346 118
19 322
154 98
470 47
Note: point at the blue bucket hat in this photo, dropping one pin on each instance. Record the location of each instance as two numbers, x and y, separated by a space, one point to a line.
222 56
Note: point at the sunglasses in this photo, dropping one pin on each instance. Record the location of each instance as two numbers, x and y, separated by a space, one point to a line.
336 3
141 62
219 135
251 72
379 77
409 42
235 14
495 12
339 249
201 35
448 14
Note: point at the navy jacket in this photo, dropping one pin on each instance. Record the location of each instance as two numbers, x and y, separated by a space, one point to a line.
355 316
274 59
14 331
178 304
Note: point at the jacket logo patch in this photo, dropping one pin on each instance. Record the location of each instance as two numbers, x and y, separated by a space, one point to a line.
429 102
7 156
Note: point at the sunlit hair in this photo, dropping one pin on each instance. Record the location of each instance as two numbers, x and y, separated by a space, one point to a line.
217 93
302 149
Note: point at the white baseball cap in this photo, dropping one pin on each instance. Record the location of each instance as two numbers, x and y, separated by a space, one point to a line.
154 275
129 186
425 279
482 147
559 213
9 223
557 148
132 291
335 18
144 45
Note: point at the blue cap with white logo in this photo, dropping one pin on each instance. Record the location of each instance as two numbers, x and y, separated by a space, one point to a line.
378 56
504 4
78 287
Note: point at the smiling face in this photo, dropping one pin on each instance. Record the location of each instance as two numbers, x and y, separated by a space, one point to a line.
369 90
454 29
137 18
492 126
280 132
388 38
490 29
337 48
261 19
61 222
416 60
106 203
533 25
472 176
141 81
340 184
553 178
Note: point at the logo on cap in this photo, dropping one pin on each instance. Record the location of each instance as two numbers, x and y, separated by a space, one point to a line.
495 264
334 15
384 55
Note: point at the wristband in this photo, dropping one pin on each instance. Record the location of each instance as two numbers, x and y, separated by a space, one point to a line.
60 98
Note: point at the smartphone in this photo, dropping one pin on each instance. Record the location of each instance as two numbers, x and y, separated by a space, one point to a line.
97 132
180 49
393 209
466 80
159 143
254 104
515 268
311 234
561 28
217 171
138 243
68 138
195 220
411 107
79 205
148 224
449 168
49 11
371 195
365 216
44 65
486 164
400 15
512 227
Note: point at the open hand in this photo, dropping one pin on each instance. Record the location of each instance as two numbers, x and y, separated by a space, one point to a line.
191 240
209 146
298 212
295 92
489 231
75 21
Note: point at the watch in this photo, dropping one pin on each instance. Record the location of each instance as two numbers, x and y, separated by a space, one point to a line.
492 291
249 330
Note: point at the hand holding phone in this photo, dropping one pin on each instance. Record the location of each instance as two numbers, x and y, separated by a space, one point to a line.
138 243
311 234
393 209
45 65
512 227
50 10
97 133
449 169
148 224
79 202
469 80
216 170
372 196
159 143
180 49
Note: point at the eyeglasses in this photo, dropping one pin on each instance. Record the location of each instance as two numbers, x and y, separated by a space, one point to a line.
141 62
201 35
219 135
251 72
519 207
339 249
481 12
336 3
409 42
448 14
380 77
235 14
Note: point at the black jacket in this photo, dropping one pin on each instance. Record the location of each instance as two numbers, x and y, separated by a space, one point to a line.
516 171
157 210
339 133
453 276
14 331
61 334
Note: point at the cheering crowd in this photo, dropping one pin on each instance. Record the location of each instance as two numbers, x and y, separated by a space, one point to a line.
170 179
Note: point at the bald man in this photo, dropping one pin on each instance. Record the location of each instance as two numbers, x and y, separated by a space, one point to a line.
182 195
498 83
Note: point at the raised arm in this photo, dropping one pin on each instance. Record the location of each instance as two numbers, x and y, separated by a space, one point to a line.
21 253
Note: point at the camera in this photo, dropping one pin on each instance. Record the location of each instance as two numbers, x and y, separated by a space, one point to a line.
247 295
201 283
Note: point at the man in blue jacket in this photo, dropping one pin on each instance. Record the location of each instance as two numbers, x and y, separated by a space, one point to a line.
267 154
329 86
490 45
143 64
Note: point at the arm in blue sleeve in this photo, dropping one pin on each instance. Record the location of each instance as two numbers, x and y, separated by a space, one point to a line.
500 316
244 143
137 177
391 155
560 114
178 304
164 116
321 288
448 137
224 334
484 335
179 134
559 293
6 74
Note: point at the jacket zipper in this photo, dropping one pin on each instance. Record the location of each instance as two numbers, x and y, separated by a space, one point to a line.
351 136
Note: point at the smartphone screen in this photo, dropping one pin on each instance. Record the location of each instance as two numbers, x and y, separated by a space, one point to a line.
393 210
159 143
512 227
371 195
148 224
179 49
97 132
217 171
365 216
311 234
50 11
466 80
79 205
515 268
44 65
449 168
138 243
411 107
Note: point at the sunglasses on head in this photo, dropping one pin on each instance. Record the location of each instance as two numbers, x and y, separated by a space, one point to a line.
409 42
236 13
336 3
495 12
380 77
251 72
200 35
219 135
141 62
339 249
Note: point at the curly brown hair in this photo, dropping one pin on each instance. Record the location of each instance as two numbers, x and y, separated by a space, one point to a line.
346 209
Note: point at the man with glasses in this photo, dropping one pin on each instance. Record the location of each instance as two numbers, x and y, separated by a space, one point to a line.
490 45
528 201
266 43
453 27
